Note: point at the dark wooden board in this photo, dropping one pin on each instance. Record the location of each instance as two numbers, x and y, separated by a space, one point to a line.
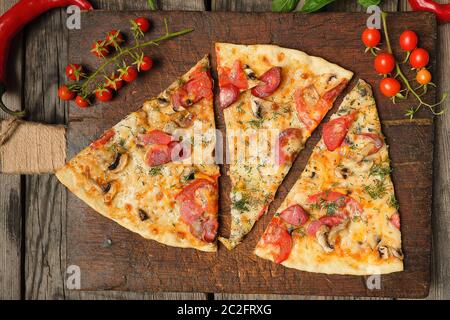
132 263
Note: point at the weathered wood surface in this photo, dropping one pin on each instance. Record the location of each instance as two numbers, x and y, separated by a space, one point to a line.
133 263
11 200
440 276
45 206
11 195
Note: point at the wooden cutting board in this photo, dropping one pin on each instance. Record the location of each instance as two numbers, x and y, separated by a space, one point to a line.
112 258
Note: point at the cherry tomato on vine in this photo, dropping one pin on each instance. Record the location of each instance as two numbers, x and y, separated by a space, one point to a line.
114 83
423 77
408 40
419 58
82 102
74 72
143 24
384 63
389 87
100 49
371 37
129 74
114 36
146 64
103 94
65 94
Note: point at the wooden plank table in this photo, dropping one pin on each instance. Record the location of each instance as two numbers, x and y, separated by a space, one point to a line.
32 208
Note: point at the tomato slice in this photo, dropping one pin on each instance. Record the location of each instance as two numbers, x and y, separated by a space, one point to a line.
108 135
395 220
157 155
155 137
198 208
335 131
377 141
294 215
277 236
311 108
228 95
198 87
237 76
284 145
271 79
331 196
306 100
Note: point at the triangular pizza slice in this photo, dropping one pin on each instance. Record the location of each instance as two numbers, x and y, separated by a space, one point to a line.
341 216
154 172
272 99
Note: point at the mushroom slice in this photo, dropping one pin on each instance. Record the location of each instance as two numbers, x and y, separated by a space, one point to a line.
396 253
120 162
334 232
342 172
383 251
251 76
259 105
109 191
322 238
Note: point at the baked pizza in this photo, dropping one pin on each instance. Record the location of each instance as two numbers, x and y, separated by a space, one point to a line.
272 100
146 173
341 216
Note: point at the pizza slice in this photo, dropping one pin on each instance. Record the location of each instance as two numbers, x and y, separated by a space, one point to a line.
272 99
341 216
154 172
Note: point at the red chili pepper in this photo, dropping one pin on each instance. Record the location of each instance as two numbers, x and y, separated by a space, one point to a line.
14 20
442 11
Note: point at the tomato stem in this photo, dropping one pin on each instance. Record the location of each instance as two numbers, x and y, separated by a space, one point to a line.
129 51
405 80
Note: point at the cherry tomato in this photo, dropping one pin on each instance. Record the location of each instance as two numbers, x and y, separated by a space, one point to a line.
114 84
100 49
371 37
82 102
143 24
408 40
146 64
384 63
104 94
419 58
74 72
390 87
129 74
423 77
65 94
114 36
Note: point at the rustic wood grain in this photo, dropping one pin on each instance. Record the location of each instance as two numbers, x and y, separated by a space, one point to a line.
45 229
10 187
133 263
440 276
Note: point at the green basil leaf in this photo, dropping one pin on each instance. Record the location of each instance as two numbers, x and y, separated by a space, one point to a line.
284 5
368 3
315 5
152 5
